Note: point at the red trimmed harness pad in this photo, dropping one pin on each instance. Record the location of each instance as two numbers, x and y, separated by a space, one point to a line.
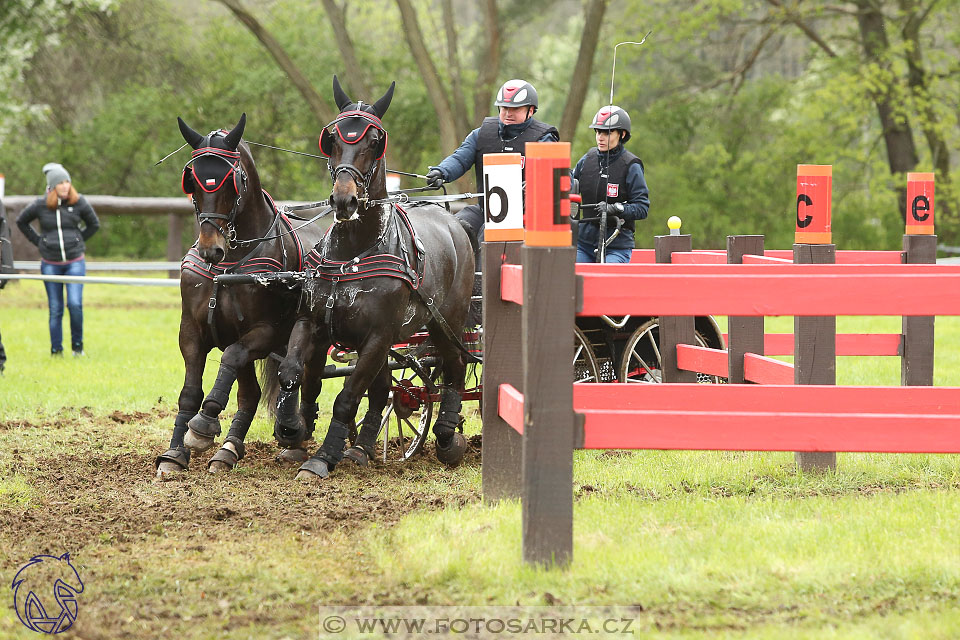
388 259
262 264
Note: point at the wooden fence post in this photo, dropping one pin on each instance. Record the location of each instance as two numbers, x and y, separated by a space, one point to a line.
502 363
744 333
674 330
549 307
919 247
814 337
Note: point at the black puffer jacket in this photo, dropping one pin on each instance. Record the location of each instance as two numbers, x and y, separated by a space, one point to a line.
62 230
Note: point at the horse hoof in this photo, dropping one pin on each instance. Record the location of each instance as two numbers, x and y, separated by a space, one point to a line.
227 457
452 454
171 463
197 442
168 470
292 456
313 469
357 455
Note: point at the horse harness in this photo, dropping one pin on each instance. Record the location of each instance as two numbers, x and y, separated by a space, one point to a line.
398 253
249 264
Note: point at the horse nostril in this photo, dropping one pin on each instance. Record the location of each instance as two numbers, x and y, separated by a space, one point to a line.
216 255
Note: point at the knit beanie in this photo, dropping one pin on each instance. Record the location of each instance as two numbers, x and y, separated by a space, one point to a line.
55 174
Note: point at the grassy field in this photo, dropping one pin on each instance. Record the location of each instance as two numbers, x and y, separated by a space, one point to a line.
702 544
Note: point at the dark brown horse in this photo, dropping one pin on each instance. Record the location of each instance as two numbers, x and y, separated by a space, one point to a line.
382 273
241 231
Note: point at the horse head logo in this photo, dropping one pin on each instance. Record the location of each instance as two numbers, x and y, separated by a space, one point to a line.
33 586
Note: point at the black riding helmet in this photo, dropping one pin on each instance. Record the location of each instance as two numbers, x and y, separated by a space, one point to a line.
517 93
612 117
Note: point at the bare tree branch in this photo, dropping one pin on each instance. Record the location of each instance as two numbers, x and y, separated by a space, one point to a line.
583 69
428 71
321 110
796 19
453 57
488 62
358 76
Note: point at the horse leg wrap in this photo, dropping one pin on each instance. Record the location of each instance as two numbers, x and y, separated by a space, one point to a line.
451 445
287 429
369 428
332 448
219 395
180 429
309 413
449 419
240 425
178 452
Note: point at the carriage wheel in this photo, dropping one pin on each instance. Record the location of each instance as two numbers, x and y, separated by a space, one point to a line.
406 420
586 367
641 361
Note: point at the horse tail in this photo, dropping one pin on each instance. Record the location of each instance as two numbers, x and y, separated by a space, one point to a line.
474 241
269 384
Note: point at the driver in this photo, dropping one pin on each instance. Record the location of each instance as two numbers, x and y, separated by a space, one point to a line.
507 133
612 179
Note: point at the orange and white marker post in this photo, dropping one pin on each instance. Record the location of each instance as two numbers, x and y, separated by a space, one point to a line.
920 209
503 196
814 193
814 337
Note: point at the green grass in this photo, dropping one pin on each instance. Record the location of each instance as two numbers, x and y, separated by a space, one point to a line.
710 544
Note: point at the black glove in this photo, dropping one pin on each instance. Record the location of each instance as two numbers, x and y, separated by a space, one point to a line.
434 178
612 210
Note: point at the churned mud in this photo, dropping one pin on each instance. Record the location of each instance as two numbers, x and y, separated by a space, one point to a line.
100 487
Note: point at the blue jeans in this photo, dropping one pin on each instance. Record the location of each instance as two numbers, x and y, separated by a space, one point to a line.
585 254
74 303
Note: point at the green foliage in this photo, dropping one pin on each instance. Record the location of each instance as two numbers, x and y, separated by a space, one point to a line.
94 88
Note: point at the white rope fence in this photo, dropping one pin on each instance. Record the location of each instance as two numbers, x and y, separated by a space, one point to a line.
140 282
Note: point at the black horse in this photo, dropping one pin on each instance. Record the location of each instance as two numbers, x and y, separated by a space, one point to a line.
381 273
241 231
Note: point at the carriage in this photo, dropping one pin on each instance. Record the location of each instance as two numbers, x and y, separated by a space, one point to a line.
408 376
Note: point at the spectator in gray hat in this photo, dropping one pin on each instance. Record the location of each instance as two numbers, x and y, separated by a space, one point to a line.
66 221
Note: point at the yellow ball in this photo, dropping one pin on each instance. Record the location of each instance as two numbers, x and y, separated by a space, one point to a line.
673 222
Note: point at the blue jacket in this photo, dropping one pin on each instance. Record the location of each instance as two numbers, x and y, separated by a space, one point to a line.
460 161
635 207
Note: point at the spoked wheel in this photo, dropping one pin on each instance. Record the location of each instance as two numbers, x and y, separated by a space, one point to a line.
406 420
586 367
641 361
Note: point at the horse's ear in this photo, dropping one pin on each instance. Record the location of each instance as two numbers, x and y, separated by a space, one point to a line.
232 139
339 96
381 105
192 137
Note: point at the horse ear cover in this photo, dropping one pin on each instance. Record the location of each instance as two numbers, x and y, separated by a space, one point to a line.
326 142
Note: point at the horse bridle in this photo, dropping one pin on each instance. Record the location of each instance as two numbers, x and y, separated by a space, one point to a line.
360 178
232 158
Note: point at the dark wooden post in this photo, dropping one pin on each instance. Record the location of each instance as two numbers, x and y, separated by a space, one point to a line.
745 333
919 247
815 349
549 307
174 241
674 330
502 363
916 362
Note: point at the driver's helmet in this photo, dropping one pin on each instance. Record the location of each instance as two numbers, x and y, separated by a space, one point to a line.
517 93
612 117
